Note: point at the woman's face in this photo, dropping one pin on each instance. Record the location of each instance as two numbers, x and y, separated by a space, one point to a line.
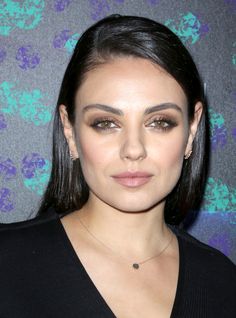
131 133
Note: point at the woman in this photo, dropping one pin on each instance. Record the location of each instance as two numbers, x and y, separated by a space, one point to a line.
128 164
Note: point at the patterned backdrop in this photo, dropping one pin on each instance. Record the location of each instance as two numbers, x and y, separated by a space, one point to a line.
37 38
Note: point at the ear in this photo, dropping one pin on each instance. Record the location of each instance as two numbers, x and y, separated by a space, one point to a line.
68 132
193 128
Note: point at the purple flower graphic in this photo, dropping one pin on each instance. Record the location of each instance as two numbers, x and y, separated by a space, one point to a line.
219 137
30 164
3 123
28 58
7 169
61 38
222 242
61 5
6 204
3 55
99 9
153 2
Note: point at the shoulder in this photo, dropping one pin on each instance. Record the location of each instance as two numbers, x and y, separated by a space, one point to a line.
206 262
50 214
203 253
207 279
18 233
29 246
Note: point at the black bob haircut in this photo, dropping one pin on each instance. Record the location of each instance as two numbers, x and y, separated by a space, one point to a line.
120 36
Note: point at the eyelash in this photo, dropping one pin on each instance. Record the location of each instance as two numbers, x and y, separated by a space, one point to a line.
100 121
169 124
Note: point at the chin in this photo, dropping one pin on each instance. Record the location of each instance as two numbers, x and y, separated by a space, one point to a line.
137 207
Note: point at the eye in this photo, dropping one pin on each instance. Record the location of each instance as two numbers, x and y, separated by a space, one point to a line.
104 124
162 124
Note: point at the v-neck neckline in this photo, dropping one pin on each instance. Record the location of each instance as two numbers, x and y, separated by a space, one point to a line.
72 253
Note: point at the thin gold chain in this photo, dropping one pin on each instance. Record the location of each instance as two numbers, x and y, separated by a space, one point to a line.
136 264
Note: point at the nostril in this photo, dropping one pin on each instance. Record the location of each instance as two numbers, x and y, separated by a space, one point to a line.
133 150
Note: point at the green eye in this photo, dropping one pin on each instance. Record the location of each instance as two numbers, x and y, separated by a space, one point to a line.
104 124
162 124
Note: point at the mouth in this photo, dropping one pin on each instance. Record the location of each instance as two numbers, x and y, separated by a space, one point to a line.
132 179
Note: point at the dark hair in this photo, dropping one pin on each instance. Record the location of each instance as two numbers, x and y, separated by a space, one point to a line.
117 36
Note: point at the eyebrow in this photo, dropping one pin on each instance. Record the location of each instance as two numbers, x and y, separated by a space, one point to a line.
106 108
163 106
119 112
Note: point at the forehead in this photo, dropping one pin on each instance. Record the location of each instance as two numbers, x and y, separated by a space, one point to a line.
130 84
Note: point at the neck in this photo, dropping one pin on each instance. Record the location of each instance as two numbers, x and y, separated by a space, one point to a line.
136 234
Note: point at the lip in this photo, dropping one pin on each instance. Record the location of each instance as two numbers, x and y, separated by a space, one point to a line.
132 179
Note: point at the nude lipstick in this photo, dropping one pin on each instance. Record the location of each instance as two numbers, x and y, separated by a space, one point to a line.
132 179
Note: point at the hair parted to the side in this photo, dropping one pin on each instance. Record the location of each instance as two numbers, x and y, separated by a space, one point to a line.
117 36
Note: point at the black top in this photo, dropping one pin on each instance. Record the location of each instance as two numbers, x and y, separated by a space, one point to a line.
41 276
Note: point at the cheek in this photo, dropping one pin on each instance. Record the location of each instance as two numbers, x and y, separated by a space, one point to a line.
168 158
94 156
173 163
175 151
170 149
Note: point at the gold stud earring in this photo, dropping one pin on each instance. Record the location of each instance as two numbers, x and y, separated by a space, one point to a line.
188 154
72 157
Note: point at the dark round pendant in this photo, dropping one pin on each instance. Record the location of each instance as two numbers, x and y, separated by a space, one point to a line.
136 266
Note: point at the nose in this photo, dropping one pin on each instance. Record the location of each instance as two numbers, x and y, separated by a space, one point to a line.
133 147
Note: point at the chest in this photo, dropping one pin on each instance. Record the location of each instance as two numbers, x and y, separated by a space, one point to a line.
131 293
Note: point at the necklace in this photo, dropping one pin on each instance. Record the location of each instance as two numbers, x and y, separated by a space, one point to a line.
135 265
